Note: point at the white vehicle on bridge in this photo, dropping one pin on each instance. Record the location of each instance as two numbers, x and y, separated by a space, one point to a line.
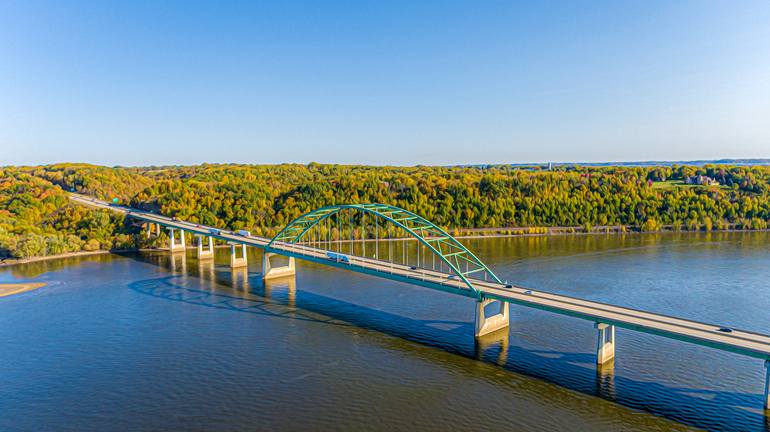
338 257
243 233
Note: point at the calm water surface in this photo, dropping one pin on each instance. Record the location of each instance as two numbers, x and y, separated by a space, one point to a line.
150 342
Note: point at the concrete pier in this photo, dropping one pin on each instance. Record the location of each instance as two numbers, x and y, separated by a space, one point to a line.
605 347
236 261
173 245
269 271
148 227
207 252
488 324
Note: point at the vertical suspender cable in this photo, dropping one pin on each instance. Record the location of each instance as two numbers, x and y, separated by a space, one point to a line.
339 237
390 248
350 227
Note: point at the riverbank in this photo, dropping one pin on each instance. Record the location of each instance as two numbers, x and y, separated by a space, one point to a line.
18 288
473 233
470 233
15 261
5 262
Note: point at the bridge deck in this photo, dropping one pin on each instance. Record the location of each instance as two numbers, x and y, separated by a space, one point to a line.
737 341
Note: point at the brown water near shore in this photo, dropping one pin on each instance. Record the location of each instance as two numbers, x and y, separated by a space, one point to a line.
18 288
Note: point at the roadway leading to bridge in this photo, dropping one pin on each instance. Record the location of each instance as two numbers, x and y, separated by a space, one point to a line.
734 340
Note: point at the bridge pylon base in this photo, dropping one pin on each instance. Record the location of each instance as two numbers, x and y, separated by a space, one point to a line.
173 246
235 261
488 324
207 252
271 272
605 347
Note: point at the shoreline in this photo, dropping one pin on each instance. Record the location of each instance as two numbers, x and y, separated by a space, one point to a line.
556 232
561 233
9 289
7 262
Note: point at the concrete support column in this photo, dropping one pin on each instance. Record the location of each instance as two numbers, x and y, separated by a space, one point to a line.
208 252
767 384
605 347
157 230
173 246
488 324
236 262
269 272
148 227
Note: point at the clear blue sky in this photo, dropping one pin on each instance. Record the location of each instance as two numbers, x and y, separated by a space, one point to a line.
385 82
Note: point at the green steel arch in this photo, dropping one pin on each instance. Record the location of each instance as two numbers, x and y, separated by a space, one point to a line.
448 249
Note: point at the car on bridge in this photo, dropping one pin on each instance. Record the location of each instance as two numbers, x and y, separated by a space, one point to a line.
338 257
243 233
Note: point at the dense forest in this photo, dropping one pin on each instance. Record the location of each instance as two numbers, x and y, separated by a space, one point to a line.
36 217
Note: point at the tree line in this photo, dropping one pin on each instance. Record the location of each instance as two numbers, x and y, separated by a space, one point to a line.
36 217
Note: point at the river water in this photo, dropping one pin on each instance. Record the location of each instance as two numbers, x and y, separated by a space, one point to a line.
150 342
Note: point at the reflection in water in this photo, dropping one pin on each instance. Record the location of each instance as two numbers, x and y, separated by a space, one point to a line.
206 270
178 263
239 279
605 380
37 268
491 341
284 286
319 351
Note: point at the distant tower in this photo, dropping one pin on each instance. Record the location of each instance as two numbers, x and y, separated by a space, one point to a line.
550 166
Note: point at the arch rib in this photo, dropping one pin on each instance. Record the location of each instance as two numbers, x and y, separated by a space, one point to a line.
449 250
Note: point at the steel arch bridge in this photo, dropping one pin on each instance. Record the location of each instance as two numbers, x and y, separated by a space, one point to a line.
291 243
461 261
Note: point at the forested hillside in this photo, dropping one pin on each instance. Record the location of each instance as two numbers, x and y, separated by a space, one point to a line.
37 219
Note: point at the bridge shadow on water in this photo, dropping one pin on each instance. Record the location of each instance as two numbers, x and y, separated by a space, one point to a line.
244 292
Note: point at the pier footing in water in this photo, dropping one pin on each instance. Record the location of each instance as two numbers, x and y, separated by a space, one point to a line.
173 245
236 261
270 272
207 252
488 324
